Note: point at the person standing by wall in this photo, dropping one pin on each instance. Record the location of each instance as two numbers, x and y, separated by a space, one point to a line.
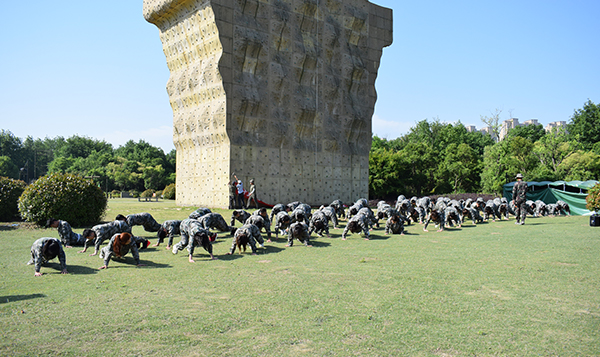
519 197
240 192
252 196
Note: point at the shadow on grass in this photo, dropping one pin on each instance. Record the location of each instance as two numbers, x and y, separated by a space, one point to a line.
8 227
11 298
78 269
320 244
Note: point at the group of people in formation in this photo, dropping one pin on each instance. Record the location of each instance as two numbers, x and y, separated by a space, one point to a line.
296 220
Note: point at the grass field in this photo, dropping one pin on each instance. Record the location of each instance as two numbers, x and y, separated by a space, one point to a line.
496 289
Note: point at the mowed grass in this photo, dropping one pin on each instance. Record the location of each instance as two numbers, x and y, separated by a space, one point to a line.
496 289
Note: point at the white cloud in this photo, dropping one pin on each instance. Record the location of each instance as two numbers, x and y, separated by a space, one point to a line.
390 129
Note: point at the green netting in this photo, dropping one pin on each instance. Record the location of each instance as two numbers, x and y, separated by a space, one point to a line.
560 191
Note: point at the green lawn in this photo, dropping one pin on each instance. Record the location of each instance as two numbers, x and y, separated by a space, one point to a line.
497 289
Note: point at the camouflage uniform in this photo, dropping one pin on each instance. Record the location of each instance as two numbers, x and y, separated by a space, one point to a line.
107 252
242 216
371 220
490 210
451 217
303 236
394 226
331 215
199 213
276 209
307 211
67 236
519 195
106 231
232 194
470 212
563 207
265 217
319 218
281 226
299 215
38 257
143 219
214 220
338 205
252 196
259 221
252 232
501 208
293 205
189 228
423 206
362 223
440 221
172 229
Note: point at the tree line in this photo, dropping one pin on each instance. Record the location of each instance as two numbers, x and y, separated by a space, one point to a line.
441 158
432 158
135 166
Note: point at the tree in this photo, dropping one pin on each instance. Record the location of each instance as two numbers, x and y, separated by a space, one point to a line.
551 150
493 121
8 168
461 166
584 125
531 132
581 165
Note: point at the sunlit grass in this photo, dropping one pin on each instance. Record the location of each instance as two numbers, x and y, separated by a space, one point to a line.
493 290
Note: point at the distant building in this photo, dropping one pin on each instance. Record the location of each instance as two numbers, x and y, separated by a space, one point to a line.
507 125
555 124
471 128
490 131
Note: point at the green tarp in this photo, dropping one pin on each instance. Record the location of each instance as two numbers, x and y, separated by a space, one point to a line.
572 192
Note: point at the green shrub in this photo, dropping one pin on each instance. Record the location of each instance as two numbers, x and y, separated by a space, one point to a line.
147 193
169 192
10 190
593 198
68 197
159 193
134 193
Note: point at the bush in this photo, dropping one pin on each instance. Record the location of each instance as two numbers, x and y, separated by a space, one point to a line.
593 198
10 190
134 193
68 197
169 192
115 194
147 193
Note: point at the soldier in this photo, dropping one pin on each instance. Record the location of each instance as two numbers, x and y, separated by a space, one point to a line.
331 215
199 213
540 208
423 206
169 228
232 194
293 205
192 230
239 215
355 225
247 234
371 220
267 222
119 245
252 195
452 217
101 232
283 222
552 209
143 219
307 211
437 217
519 197
299 215
563 207
319 224
214 221
44 250
298 230
490 210
338 205
394 225
259 222
276 209
67 237
473 214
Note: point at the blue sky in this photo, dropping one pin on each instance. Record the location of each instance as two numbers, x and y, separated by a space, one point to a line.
96 68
